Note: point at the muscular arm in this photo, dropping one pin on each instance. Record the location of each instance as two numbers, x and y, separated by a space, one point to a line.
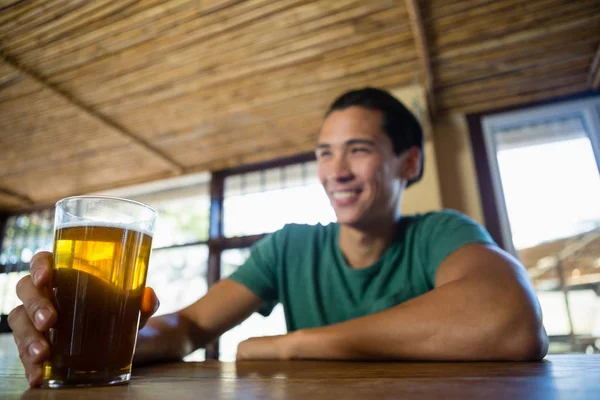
173 336
482 308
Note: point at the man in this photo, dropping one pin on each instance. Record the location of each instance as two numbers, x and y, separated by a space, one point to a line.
372 286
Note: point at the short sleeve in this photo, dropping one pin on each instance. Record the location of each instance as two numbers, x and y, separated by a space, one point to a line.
444 232
259 272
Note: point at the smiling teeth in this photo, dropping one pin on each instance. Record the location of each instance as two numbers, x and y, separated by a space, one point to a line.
343 195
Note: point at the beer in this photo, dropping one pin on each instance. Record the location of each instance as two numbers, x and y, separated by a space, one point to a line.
100 273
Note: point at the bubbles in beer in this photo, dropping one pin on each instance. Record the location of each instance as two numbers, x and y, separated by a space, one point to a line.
114 253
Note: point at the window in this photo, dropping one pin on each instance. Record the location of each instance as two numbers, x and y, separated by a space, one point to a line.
547 168
178 267
179 251
544 166
24 235
264 201
260 202
178 275
256 324
183 215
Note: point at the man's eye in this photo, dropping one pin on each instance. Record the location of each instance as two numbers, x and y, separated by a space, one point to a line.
359 150
323 153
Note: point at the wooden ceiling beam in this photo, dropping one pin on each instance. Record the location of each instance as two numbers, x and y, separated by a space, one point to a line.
173 166
19 198
595 71
418 30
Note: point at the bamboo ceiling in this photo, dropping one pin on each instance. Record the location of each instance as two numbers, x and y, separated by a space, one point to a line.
100 94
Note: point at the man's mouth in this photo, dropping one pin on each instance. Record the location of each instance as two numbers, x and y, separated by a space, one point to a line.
345 197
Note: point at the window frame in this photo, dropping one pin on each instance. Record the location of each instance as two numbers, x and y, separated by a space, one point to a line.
487 173
583 109
217 241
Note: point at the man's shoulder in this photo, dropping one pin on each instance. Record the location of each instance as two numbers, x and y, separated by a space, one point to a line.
447 225
442 222
434 218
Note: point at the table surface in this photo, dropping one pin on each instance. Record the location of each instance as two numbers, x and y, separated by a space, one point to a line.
557 377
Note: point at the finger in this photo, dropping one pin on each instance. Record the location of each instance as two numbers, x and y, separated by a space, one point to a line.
262 348
149 305
245 350
35 375
41 268
39 308
33 348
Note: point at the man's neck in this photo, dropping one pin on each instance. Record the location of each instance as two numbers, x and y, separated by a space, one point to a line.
362 247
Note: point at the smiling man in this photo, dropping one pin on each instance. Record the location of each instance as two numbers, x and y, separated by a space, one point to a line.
374 285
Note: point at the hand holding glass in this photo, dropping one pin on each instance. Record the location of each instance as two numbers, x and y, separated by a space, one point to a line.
101 253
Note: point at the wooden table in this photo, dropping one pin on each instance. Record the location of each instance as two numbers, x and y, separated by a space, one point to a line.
559 377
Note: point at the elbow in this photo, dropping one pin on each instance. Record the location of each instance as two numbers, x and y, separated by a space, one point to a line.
524 336
526 344
537 347
532 347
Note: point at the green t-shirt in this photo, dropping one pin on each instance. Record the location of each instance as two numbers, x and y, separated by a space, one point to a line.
302 267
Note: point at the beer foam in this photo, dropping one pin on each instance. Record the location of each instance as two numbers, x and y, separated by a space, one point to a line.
96 224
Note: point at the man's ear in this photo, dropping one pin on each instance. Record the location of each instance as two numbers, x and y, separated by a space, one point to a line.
410 164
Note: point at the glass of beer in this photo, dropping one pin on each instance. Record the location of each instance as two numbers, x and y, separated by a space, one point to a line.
101 253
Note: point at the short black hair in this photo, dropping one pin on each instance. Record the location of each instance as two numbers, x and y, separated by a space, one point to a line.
399 123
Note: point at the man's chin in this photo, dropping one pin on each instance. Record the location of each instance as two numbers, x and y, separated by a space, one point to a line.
350 220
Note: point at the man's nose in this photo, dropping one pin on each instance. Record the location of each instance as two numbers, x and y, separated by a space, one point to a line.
341 171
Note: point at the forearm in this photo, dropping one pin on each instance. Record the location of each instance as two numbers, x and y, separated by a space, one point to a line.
462 320
173 336
168 337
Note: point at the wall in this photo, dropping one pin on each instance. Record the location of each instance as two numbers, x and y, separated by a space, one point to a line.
425 195
456 168
449 178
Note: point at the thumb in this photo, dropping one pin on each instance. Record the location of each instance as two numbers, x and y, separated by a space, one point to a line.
149 305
